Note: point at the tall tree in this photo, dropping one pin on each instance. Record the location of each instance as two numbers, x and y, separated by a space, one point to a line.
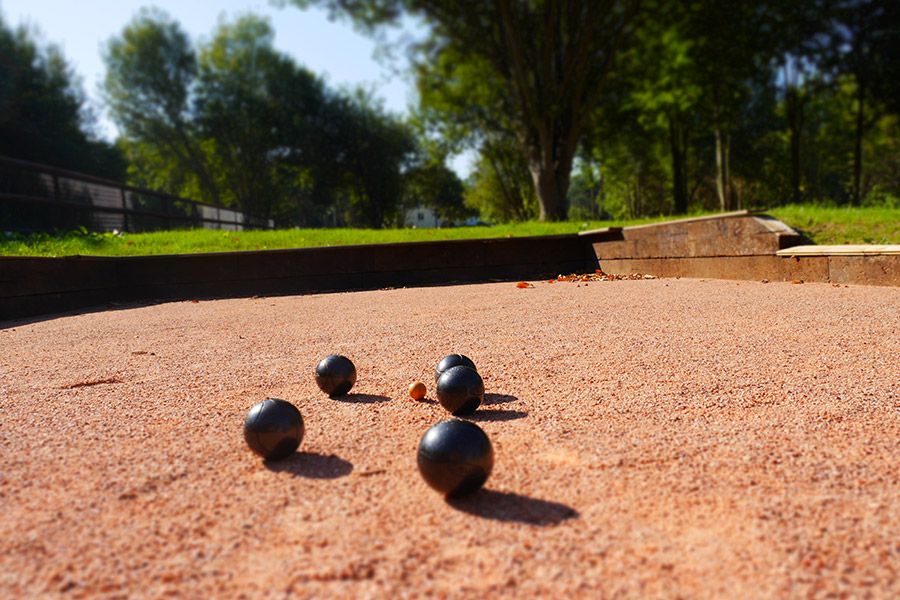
372 149
798 28
500 188
43 110
865 35
254 107
731 51
433 185
552 58
151 71
666 94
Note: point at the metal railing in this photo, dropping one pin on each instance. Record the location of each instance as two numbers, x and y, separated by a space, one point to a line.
35 197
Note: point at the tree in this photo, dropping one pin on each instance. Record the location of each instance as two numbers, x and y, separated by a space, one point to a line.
864 37
374 149
44 115
798 45
151 70
732 48
254 108
433 185
551 59
241 124
501 188
666 95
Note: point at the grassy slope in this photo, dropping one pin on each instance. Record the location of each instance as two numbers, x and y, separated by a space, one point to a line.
822 225
825 225
205 240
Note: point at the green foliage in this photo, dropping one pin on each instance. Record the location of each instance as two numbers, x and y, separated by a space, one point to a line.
252 109
237 122
43 114
542 64
500 189
723 105
433 184
707 105
151 73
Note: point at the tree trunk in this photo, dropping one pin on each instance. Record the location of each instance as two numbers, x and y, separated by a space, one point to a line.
794 109
729 189
550 164
722 176
858 146
677 139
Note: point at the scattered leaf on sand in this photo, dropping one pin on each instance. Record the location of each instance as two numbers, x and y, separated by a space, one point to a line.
91 382
599 275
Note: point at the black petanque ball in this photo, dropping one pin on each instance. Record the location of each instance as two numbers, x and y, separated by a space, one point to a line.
335 375
273 428
450 361
460 390
455 457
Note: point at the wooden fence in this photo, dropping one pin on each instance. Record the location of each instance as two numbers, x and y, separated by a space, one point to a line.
36 197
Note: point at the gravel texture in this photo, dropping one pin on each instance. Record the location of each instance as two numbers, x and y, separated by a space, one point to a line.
655 438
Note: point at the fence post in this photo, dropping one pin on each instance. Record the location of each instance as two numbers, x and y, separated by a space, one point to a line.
126 226
58 204
167 208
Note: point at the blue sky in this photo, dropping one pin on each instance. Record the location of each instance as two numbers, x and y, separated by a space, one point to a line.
333 49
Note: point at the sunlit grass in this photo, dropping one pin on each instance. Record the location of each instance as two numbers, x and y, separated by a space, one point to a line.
842 225
206 240
823 225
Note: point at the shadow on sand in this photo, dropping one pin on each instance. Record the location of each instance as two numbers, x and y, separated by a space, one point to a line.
511 507
361 398
491 414
498 399
312 465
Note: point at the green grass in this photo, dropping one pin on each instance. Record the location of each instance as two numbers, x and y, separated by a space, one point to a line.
833 225
822 225
206 240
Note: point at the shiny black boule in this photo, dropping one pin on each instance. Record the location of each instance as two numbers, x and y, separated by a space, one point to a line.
455 457
450 361
460 390
273 428
335 375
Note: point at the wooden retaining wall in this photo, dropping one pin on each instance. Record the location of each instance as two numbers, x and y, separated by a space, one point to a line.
742 245
731 246
36 286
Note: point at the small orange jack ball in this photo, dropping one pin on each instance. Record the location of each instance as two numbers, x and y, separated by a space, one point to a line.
417 390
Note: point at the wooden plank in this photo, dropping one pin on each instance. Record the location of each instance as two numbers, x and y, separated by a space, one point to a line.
748 268
883 269
27 276
842 250
734 234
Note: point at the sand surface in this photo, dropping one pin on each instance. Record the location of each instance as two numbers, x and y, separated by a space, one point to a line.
656 438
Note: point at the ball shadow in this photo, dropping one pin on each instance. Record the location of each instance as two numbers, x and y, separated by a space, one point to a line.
312 465
512 507
499 398
492 414
361 398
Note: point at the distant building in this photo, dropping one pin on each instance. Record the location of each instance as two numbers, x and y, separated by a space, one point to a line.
422 217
